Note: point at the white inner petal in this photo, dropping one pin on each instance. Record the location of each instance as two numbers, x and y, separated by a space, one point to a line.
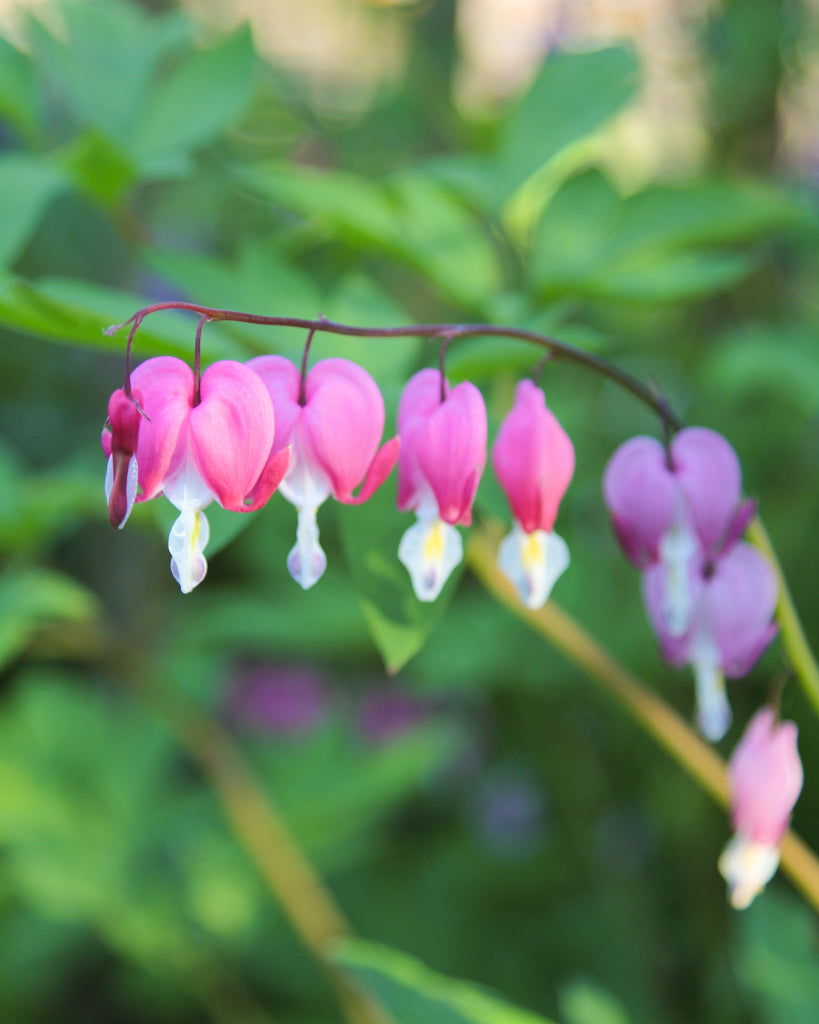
304 485
306 561
131 483
677 548
533 562
190 533
430 549
186 542
713 710
747 866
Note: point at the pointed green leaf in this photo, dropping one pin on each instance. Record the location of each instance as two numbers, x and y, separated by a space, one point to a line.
413 994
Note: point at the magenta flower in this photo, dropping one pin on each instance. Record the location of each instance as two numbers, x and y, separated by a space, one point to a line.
533 460
334 433
443 454
765 779
218 448
672 508
121 475
733 599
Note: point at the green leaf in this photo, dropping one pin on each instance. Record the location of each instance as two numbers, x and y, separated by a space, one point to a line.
585 1002
412 993
98 167
766 359
408 217
78 312
27 186
36 599
35 508
398 621
574 95
103 63
776 960
194 105
17 102
663 245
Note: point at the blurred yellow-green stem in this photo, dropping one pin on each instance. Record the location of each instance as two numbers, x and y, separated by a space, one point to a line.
793 635
650 711
265 837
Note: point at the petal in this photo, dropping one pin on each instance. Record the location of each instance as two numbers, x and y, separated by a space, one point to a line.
451 452
765 777
282 380
747 866
186 543
121 479
166 385
533 562
380 469
741 599
343 420
641 494
675 647
419 400
306 562
709 473
713 710
232 431
679 554
430 549
533 459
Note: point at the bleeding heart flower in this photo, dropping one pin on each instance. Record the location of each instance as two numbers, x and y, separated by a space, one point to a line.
218 448
443 454
334 433
765 779
121 473
533 460
733 598
674 507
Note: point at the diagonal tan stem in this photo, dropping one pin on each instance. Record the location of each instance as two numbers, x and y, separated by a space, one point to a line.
657 718
265 837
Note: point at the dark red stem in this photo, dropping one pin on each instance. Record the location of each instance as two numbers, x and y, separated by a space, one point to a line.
451 331
303 377
197 361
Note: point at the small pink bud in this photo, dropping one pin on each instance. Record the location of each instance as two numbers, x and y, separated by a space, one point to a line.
119 440
765 780
443 454
533 460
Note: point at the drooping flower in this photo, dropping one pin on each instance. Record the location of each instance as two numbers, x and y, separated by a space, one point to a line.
733 598
765 779
533 460
334 437
673 507
121 473
443 454
217 449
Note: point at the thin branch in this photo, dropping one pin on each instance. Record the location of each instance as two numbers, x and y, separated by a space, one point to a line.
647 395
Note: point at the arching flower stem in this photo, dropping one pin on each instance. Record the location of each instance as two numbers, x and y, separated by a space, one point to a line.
303 374
197 361
450 332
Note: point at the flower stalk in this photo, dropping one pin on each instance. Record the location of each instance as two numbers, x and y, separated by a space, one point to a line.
651 712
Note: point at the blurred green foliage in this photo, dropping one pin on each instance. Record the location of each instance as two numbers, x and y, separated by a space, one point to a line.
519 832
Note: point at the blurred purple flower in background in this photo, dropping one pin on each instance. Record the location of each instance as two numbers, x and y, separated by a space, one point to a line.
279 699
384 714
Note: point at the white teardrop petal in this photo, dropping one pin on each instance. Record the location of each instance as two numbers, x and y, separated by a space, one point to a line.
186 543
430 549
306 561
533 562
